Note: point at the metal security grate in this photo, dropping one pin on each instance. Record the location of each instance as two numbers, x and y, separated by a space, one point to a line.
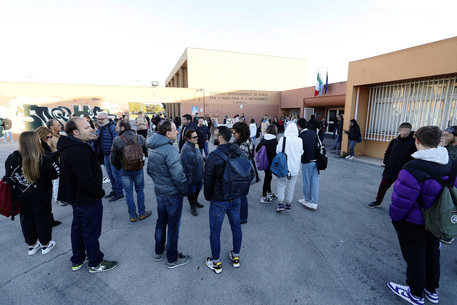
421 103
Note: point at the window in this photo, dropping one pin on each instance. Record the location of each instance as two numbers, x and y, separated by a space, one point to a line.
421 103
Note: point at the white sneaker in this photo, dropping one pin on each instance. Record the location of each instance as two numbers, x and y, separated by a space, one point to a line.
302 201
348 156
352 158
33 250
46 250
265 199
311 206
105 179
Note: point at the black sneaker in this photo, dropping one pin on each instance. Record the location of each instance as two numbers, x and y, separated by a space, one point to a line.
112 194
374 204
116 198
104 266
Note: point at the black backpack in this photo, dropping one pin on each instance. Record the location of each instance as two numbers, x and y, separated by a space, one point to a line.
237 176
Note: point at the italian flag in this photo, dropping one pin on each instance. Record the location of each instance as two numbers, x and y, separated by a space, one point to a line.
318 85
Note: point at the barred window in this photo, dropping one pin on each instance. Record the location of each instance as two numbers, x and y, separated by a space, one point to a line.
421 103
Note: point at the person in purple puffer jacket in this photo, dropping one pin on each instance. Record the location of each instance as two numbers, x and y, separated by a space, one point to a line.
414 190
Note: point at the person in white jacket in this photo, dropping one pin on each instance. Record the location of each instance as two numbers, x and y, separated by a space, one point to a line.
293 150
253 130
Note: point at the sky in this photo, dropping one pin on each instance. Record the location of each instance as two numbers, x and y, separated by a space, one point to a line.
135 42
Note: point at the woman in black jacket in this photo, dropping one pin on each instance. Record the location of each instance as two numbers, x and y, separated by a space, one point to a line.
45 135
270 142
354 137
31 173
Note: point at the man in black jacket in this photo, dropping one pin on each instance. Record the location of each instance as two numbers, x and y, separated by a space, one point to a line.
187 124
81 186
204 131
213 185
398 153
309 166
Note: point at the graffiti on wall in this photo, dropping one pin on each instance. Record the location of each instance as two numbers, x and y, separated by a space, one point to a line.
29 113
36 116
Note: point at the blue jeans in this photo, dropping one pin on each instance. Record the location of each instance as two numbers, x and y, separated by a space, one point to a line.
85 232
244 208
351 146
310 182
169 210
6 134
253 140
128 179
205 149
338 142
217 211
114 176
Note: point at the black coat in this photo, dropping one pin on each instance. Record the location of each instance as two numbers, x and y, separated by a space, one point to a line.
81 175
214 171
39 191
398 153
353 133
48 151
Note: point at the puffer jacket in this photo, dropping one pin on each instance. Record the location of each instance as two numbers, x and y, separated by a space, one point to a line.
214 171
415 189
164 167
192 162
310 143
106 135
397 154
353 133
119 144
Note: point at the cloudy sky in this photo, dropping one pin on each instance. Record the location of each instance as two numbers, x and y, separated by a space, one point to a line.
135 42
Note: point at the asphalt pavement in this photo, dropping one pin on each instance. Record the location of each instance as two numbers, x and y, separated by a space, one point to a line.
343 253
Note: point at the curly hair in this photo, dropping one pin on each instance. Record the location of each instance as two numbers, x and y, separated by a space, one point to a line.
243 130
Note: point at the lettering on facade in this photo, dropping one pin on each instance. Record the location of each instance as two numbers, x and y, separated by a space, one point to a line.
238 97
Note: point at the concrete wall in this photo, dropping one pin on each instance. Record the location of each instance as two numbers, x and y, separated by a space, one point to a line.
424 61
30 105
239 71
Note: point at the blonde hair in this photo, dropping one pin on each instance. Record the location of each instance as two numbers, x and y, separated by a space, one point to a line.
32 155
43 132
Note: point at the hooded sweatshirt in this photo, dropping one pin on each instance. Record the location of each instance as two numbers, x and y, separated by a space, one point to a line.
293 150
414 189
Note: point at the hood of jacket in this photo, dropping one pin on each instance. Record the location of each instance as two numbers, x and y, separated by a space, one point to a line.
291 130
269 136
158 140
66 142
438 155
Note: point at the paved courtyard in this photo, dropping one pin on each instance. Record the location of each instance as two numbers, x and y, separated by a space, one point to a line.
343 253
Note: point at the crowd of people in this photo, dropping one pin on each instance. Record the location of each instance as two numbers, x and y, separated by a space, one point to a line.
65 169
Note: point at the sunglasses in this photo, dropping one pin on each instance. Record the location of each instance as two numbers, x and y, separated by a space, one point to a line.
196 137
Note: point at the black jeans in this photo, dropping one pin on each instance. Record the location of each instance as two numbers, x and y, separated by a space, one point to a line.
421 251
267 182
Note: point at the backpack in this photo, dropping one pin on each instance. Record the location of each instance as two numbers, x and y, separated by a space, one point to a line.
262 159
279 163
6 123
132 155
441 218
237 176
321 154
8 206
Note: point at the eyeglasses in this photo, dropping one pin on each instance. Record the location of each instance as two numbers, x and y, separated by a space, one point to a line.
196 137
101 119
